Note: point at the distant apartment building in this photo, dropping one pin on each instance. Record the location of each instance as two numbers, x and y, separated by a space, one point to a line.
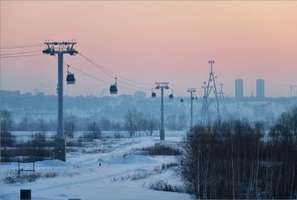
260 89
238 89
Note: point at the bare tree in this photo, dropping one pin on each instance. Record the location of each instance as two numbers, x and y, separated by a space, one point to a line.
70 125
94 131
7 138
131 122
232 161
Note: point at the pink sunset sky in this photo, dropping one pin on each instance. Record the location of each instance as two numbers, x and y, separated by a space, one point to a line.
142 42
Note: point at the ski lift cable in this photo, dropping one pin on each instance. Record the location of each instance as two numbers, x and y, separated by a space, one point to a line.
91 76
87 74
131 88
21 46
110 73
19 56
18 53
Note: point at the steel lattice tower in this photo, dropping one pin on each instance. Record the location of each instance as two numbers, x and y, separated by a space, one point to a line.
211 106
223 110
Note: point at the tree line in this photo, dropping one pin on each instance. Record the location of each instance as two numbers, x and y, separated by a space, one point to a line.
235 160
135 124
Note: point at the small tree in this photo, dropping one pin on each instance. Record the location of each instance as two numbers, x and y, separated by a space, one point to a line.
94 131
70 125
105 124
24 124
182 123
7 138
133 121
42 125
171 122
116 127
152 124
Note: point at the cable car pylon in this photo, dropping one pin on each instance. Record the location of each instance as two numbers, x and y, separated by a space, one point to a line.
162 86
191 90
60 48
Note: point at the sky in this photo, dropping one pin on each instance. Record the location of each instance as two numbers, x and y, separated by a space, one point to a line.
144 42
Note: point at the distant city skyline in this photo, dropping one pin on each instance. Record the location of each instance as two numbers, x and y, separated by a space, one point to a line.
144 42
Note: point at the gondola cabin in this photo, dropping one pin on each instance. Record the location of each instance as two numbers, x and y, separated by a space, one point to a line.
153 94
70 78
181 100
113 89
171 96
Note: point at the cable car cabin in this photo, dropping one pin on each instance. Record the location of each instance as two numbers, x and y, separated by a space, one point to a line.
171 96
70 78
181 100
153 94
113 89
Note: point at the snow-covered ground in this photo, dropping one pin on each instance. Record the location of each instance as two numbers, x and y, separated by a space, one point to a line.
118 173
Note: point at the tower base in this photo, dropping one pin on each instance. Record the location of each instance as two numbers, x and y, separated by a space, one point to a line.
60 149
162 134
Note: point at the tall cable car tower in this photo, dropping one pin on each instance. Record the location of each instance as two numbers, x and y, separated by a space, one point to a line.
52 49
211 106
162 86
191 90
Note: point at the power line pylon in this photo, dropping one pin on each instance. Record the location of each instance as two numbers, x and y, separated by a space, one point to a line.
211 106
60 48
223 109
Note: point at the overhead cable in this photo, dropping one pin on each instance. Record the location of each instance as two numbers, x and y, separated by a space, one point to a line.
21 46
112 74
19 56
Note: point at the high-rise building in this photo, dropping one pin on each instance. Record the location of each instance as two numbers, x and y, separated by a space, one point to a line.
260 89
238 89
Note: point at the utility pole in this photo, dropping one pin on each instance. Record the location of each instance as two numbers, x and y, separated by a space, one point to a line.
210 98
162 85
191 90
52 49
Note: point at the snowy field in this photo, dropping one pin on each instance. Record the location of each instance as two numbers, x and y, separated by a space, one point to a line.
109 169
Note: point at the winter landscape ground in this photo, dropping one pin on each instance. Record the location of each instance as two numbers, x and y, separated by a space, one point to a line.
110 168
